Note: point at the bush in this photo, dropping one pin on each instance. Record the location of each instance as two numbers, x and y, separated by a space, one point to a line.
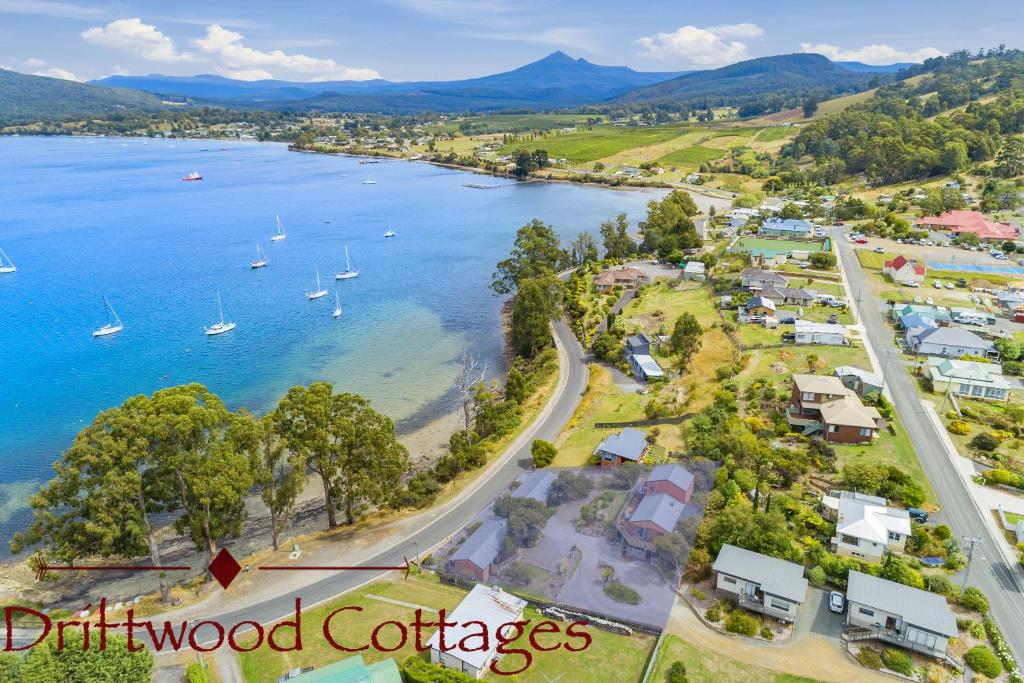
984 442
766 633
984 661
741 623
419 670
959 427
196 673
898 661
620 592
870 658
817 576
974 599
697 593
714 615
939 583
977 630
677 673
543 452
998 477
942 532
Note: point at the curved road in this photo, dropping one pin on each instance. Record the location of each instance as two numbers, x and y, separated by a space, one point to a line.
989 571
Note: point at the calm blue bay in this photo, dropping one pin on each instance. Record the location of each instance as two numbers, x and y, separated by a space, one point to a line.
87 218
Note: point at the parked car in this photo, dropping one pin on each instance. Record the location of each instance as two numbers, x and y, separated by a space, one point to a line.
861 240
833 319
929 301
918 515
949 285
836 602
945 244
937 284
917 299
911 283
1000 257
961 283
789 337
878 250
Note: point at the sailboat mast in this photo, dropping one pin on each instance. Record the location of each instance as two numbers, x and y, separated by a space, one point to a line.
220 308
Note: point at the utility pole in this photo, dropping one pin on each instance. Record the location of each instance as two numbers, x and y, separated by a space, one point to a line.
971 541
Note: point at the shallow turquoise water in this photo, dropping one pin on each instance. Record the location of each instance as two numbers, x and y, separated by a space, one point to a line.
87 218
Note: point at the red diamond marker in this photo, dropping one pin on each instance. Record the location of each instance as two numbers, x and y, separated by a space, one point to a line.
224 568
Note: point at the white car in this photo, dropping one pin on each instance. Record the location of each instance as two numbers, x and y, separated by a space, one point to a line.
836 602
937 284
949 285
917 299
929 301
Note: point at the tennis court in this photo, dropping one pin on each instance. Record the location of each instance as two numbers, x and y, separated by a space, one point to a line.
976 268
760 246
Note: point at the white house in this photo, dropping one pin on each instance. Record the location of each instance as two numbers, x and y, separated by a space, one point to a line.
760 583
492 607
866 527
950 342
900 269
820 333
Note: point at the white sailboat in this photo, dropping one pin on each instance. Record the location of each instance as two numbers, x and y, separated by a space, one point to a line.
319 291
348 272
369 181
280 232
337 305
390 232
113 326
6 264
222 326
261 259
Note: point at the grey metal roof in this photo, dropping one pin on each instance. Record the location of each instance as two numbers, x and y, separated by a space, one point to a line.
536 486
630 444
775 576
917 607
661 509
482 546
676 474
869 378
953 336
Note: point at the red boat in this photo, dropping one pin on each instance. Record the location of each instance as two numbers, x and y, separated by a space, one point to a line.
194 175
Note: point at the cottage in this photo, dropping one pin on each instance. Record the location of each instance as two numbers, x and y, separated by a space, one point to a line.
756 279
492 607
638 344
760 583
475 558
819 333
900 269
629 445
820 404
656 515
969 379
789 296
536 486
673 480
352 670
950 342
893 613
865 529
645 368
939 316
788 227
860 381
758 305
627 277
960 221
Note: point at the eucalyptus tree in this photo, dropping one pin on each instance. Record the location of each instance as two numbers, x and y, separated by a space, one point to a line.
279 474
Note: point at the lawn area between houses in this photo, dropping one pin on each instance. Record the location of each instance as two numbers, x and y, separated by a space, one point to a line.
889 449
625 654
662 303
703 666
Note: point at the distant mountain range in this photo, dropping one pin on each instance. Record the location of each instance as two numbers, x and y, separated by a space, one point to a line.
555 82
875 68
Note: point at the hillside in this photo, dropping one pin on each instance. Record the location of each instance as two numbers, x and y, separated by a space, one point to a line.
875 68
25 99
554 81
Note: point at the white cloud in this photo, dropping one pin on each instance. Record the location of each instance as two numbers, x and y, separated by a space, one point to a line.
240 61
143 40
56 72
711 46
872 54
35 63
569 38
64 10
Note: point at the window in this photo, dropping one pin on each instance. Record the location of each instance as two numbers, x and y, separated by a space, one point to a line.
866 431
894 536
641 533
866 612
807 396
849 540
779 605
976 390
728 579
833 429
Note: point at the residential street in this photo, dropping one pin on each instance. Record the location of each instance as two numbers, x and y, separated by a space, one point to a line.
990 571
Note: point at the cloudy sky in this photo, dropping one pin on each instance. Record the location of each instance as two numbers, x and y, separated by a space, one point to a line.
446 39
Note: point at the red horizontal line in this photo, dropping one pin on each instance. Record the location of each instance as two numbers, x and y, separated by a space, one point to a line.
115 568
283 568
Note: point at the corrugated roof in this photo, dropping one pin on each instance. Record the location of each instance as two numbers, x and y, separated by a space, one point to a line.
660 509
775 576
869 378
648 364
917 607
673 473
536 486
630 443
494 607
954 336
819 328
821 384
482 546
353 670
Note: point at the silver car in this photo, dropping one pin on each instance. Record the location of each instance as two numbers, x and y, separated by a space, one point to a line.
836 602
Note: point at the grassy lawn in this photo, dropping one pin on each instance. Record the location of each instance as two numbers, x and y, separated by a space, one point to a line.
780 363
888 449
661 304
598 143
1013 517
703 666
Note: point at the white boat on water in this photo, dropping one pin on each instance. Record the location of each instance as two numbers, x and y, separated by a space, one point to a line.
369 181
280 232
113 325
261 259
319 291
222 326
337 305
390 232
348 273
6 264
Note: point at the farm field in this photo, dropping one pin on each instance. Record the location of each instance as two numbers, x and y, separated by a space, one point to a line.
599 143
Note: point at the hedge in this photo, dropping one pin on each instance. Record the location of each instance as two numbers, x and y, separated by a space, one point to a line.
984 661
898 661
418 670
741 623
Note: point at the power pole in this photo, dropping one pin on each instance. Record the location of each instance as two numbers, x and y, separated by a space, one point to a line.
971 541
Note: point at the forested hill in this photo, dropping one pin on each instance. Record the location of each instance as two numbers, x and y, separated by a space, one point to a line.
26 99
956 112
756 86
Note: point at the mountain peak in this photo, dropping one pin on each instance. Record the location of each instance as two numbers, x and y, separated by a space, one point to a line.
557 57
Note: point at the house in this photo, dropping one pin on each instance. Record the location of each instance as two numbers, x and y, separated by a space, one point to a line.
789 227
627 277
756 279
492 607
830 502
960 221
638 344
913 325
1010 300
536 486
951 342
866 529
819 333
644 367
823 404
352 670
893 613
789 296
695 270
673 480
475 558
758 305
938 315
900 269
739 217
968 378
860 381
629 445
760 583
656 515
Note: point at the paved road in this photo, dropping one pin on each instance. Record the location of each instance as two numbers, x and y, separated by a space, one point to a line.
990 572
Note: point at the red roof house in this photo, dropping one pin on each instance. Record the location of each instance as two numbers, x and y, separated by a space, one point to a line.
961 221
903 270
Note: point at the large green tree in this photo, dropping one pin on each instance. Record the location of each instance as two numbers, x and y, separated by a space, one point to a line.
616 239
278 473
1010 160
536 254
532 311
583 249
686 337
668 225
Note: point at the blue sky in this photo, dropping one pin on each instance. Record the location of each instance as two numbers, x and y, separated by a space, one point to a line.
445 39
